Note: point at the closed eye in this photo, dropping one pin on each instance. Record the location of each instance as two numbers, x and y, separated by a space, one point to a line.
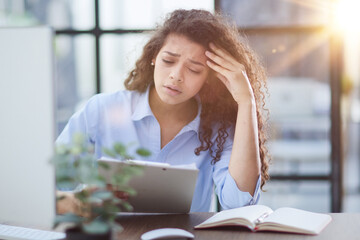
167 61
194 71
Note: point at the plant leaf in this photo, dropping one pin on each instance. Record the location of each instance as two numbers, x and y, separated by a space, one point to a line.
129 190
61 149
116 201
93 200
120 148
117 228
127 206
143 152
66 185
76 150
103 195
67 218
133 170
127 156
59 198
78 138
112 209
63 172
97 181
118 179
96 226
103 165
64 178
109 152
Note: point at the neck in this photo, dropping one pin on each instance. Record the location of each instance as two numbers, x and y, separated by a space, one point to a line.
184 112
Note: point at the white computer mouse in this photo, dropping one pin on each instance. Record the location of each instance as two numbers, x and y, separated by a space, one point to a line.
163 233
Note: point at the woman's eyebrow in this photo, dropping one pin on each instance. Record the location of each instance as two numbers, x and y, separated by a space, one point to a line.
178 55
172 54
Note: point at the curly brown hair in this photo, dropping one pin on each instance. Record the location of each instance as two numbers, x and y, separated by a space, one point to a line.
218 106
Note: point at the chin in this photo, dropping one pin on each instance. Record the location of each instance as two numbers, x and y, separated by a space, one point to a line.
170 100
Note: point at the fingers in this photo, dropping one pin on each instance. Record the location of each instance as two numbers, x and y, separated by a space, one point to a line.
219 60
71 204
219 72
66 204
224 59
223 79
217 68
222 53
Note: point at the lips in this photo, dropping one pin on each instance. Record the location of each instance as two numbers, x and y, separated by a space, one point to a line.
172 89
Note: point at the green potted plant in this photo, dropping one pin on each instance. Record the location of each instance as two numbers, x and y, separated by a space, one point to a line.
97 206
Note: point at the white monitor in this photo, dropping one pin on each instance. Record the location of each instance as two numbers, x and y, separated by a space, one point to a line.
27 126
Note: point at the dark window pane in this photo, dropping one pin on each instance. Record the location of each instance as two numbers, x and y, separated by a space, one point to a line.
60 14
118 56
299 101
75 74
310 195
128 14
251 13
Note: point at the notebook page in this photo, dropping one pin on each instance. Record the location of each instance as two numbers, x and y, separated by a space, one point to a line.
299 219
251 213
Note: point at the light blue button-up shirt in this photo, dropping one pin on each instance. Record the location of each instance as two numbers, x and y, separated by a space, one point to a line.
126 117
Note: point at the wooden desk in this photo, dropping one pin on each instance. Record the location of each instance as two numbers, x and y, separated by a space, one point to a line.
343 226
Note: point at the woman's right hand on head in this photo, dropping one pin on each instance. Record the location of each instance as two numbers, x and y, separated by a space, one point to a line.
231 72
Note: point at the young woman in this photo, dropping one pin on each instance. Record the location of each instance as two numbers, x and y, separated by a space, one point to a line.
194 96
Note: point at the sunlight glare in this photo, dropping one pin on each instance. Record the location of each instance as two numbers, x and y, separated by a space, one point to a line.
346 15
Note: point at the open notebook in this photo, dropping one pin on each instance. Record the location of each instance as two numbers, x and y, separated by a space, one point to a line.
263 218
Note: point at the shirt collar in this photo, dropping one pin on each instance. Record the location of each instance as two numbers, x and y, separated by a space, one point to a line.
195 123
142 109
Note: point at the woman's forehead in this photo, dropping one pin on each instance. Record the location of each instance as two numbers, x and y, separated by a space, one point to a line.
180 44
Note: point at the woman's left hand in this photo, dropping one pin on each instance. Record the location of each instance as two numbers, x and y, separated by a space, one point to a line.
231 73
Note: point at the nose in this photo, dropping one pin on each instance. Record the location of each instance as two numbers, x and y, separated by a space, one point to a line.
177 73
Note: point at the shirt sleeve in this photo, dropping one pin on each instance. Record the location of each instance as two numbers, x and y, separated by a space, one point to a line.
229 195
84 121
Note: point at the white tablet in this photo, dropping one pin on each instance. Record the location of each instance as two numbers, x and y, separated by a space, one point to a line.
161 188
